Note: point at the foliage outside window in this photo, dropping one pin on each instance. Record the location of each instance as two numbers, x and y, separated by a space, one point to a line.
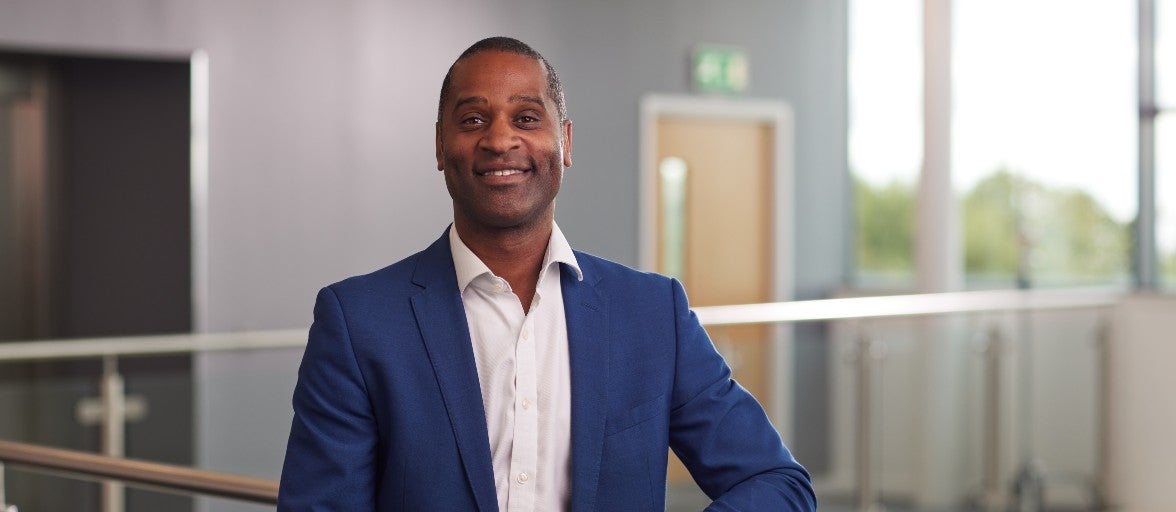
1020 229
1016 230
885 221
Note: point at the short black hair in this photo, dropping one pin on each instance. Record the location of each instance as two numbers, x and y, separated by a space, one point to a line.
508 45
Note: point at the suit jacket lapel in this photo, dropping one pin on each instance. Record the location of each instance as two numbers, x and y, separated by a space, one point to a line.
587 318
441 317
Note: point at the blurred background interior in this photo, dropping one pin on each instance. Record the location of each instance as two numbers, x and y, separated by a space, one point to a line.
179 177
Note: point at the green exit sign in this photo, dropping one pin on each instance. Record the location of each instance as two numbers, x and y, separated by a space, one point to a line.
720 69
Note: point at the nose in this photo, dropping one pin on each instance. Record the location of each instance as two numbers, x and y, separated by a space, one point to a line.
499 137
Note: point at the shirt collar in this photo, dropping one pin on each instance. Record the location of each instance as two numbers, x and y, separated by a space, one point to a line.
470 267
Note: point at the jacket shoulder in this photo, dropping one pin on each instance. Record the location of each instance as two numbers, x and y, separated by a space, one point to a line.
610 273
383 279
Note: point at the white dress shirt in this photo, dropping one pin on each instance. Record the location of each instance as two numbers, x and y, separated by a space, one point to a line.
523 371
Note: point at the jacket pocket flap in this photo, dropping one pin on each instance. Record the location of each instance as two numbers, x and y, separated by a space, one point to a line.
636 414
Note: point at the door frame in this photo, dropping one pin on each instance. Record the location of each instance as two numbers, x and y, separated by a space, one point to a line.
779 116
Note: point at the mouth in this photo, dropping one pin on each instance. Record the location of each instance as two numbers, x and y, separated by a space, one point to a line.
501 172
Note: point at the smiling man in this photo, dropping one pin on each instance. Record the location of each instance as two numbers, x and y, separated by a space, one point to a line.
498 369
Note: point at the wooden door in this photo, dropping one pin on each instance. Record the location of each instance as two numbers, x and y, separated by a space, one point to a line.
715 231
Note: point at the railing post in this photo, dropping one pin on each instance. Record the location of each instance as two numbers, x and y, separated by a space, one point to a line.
1027 493
113 431
865 482
4 506
1098 498
867 351
992 351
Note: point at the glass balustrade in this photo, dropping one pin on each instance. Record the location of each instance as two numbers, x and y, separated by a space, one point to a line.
983 408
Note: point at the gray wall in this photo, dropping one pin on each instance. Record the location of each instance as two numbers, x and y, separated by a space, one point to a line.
321 120
321 124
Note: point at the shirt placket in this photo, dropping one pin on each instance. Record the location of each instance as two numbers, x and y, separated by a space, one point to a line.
525 453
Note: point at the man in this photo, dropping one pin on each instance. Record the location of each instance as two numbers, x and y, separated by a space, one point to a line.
500 370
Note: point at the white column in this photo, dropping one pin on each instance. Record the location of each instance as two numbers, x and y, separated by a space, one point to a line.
937 248
939 269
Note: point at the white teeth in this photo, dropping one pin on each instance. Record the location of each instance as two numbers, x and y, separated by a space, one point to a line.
507 172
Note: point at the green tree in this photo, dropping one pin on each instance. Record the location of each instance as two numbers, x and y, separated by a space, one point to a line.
993 220
1080 240
885 228
1168 268
1017 227
1014 228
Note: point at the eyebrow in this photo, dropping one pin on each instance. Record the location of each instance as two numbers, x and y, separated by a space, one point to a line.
481 100
469 100
523 98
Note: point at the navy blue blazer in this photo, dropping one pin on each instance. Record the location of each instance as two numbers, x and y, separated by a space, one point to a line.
388 413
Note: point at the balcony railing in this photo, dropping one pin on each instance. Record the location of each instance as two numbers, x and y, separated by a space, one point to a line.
115 471
147 474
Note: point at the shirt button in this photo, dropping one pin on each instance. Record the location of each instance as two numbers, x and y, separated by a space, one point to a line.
522 478
498 287
525 334
526 404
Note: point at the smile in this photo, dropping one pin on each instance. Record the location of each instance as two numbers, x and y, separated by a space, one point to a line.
504 172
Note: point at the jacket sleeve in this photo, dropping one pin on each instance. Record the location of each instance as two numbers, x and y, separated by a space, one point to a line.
721 433
330 457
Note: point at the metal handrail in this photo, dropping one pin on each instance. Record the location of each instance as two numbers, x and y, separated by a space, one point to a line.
83 348
772 312
909 305
151 474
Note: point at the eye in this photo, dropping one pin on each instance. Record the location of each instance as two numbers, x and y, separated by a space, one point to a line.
528 120
472 120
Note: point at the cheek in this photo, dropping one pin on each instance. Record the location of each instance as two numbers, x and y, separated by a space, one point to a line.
452 161
449 185
454 151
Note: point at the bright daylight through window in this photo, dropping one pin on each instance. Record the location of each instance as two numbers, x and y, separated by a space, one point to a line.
1166 140
885 136
1044 140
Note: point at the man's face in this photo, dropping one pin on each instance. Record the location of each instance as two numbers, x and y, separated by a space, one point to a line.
501 143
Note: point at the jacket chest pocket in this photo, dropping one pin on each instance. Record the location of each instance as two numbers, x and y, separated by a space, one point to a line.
636 414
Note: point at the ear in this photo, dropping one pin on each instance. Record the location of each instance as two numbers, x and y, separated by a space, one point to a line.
567 143
440 154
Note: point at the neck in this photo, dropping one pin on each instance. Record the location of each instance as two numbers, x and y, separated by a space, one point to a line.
514 254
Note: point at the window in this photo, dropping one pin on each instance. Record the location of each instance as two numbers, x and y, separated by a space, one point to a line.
1044 140
1165 142
1166 197
1044 150
885 136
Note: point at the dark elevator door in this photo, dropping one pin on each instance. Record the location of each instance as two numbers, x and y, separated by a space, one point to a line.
95 214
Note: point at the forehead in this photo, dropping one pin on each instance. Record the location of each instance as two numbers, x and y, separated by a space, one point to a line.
496 72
